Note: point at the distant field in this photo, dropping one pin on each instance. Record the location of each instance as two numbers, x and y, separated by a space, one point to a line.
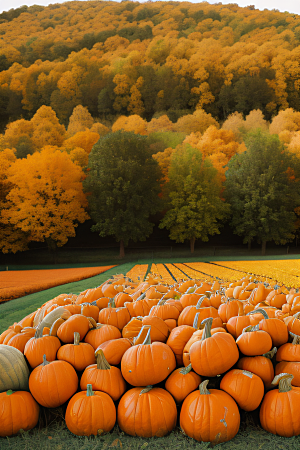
14 284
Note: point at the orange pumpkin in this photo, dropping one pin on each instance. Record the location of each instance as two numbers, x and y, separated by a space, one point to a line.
182 382
18 411
245 387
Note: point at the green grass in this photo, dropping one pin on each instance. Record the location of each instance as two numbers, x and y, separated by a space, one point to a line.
54 435
15 310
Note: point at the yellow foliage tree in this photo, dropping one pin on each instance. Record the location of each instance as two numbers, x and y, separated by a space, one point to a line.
197 122
162 123
164 161
12 239
46 128
99 128
17 129
255 119
83 139
132 123
287 119
80 120
46 200
79 156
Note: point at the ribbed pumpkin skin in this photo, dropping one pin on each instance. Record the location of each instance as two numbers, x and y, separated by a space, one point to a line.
177 340
144 365
36 348
202 416
152 413
14 372
279 412
53 384
109 381
214 355
79 356
260 365
245 387
180 386
292 367
17 411
86 416
97 336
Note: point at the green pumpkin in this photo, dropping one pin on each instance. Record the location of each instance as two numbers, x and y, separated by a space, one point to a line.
14 372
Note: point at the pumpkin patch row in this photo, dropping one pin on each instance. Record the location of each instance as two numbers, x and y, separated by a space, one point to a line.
148 354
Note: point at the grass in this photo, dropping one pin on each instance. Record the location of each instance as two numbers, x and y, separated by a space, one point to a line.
15 310
52 434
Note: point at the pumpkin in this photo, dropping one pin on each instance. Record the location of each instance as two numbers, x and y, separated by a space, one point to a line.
177 340
79 354
90 413
76 323
102 333
230 308
245 387
89 310
209 415
147 363
118 317
253 341
159 328
187 316
20 339
292 367
190 299
260 365
213 354
279 412
293 323
276 328
103 377
182 382
236 324
166 310
14 372
114 350
40 345
147 412
138 308
18 411
53 383
289 351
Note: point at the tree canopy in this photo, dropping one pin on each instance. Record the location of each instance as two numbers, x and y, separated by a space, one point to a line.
263 188
123 183
195 208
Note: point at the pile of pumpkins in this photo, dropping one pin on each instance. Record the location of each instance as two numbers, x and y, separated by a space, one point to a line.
146 354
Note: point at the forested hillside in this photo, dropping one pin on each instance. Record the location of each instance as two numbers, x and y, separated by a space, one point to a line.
189 83
131 58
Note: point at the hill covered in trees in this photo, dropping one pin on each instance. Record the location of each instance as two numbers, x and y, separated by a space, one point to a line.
147 58
189 83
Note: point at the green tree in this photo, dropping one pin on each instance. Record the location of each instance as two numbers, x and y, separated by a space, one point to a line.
123 181
194 204
263 189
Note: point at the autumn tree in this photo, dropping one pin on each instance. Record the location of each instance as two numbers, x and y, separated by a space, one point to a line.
123 185
195 209
12 239
80 120
132 123
46 200
197 122
46 128
263 189
83 139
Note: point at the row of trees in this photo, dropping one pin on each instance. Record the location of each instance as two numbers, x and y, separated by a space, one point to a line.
147 59
45 196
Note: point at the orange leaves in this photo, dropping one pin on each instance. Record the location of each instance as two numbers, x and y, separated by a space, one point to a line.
47 199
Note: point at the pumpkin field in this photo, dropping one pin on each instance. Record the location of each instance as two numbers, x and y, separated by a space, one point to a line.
165 355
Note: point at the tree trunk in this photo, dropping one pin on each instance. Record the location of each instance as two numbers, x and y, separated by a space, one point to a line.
122 249
192 244
52 247
263 247
249 245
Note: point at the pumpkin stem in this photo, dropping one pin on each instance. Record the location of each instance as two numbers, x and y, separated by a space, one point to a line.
39 332
258 310
271 353
250 328
285 382
195 323
203 388
296 338
89 391
102 363
186 370
200 301
247 373
139 339
208 294
111 303
10 392
207 329
297 315
76 338
147 340
45 362
146 389
162 302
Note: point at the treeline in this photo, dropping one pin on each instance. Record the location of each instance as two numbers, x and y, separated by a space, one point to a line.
195 174
148 59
